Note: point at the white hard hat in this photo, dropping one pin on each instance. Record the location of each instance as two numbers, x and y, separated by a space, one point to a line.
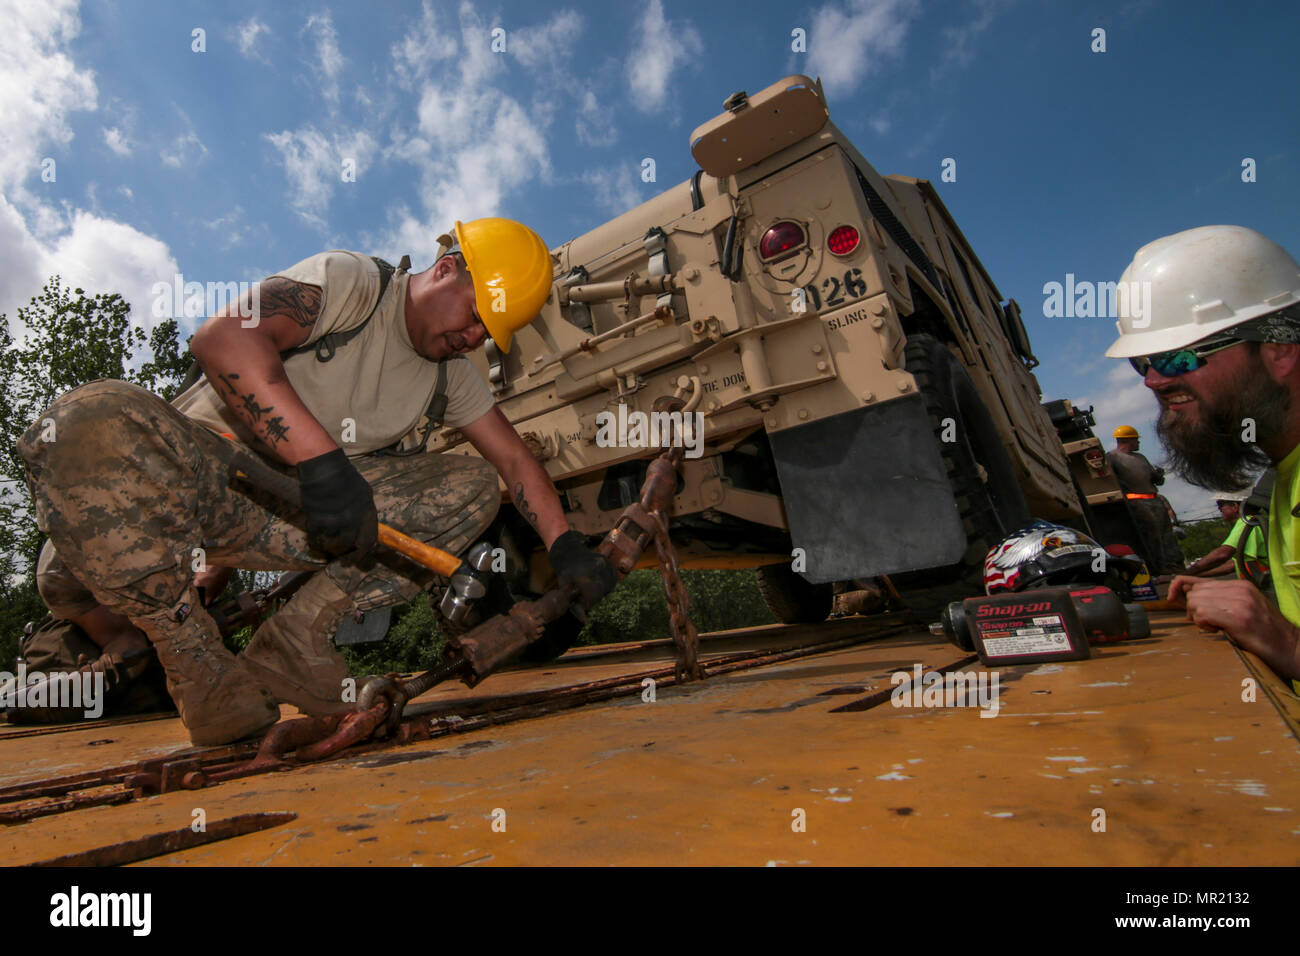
1235 496
1202 281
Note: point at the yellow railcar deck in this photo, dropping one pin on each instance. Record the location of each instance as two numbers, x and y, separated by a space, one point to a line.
1151 737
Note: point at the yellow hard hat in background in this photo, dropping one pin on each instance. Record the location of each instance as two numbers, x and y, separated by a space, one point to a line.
1126 431
511 270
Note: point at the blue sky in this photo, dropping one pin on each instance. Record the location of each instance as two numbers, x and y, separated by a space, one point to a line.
225 164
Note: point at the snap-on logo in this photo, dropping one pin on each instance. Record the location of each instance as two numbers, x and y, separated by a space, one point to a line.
1008 610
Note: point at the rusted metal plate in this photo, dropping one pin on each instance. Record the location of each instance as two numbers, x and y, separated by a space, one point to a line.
1153 733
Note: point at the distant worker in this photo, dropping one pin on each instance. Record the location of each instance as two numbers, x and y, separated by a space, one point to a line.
1139 478
1243 551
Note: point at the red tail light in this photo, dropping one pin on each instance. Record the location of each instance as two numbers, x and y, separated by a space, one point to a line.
843 240
780 241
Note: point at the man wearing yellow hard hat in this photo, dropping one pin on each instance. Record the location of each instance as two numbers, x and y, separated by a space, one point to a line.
1139 479
345 365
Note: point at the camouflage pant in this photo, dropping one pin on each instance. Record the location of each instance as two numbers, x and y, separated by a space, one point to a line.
129 490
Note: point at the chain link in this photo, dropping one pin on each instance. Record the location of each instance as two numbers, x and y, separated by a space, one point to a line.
685 637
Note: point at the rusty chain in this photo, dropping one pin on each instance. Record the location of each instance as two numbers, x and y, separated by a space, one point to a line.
685 637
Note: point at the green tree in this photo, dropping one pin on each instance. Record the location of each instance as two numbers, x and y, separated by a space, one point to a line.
65 338
638 611
1203 537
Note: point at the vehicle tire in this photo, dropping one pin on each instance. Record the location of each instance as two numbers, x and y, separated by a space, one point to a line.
790 598
984 481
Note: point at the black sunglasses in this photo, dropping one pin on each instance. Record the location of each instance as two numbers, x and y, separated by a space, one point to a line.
1180 361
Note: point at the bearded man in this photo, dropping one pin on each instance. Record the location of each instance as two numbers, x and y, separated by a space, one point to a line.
1220 348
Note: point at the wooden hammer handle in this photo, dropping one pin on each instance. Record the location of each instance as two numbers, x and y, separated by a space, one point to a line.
435 559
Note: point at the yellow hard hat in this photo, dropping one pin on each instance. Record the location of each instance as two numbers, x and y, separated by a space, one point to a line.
511 270
1126 431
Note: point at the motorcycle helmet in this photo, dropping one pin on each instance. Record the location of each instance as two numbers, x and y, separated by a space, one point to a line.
1052 555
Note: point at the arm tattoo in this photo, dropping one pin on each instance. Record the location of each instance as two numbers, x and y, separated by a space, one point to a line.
276 431
521 502
273 430
297 301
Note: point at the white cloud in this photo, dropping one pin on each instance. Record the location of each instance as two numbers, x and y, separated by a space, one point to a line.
847 43
476 64
328 63
660 46
186 149
246 35
313 164
39 84
102 255
422 47
116 140
469 176
232 227
473 143
23 257
1124 401
548 46
594 123
93 253
616 189
958 41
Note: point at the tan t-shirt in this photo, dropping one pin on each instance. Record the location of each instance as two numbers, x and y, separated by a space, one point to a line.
376 388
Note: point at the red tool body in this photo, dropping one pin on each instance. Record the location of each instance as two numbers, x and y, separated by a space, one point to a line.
1042 624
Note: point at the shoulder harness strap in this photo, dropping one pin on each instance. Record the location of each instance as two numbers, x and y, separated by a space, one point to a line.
327 345
1254 510
1254 514
434 415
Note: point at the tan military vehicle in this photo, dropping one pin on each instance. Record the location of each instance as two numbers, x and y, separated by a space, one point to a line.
866 399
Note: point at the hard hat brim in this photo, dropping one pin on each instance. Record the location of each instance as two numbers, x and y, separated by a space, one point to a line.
1165 340
1133 344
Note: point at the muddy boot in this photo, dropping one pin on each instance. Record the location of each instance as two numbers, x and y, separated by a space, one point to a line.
129 683
134 682
218 699
111 685
293 653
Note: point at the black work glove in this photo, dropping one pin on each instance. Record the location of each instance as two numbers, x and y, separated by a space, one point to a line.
592 573
1157 476
340 507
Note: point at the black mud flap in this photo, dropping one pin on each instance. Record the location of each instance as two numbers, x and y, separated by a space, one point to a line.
866 493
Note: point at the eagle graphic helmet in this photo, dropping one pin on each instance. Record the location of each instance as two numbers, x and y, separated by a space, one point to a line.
1052 555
